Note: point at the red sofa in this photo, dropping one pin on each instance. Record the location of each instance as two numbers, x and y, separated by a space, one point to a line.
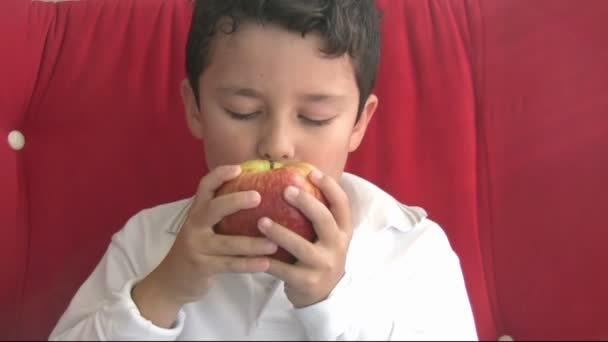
493 116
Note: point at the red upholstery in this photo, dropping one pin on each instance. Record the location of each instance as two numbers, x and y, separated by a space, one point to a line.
543 142
493 116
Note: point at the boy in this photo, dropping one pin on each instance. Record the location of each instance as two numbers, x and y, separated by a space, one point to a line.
279 80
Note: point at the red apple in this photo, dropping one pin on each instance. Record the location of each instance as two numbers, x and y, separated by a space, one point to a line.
270 179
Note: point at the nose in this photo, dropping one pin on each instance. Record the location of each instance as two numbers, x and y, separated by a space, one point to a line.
276 142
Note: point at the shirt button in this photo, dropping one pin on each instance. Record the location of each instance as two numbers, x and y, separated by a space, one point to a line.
505 338
16 140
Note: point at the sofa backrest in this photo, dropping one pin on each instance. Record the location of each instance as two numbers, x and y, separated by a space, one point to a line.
543 167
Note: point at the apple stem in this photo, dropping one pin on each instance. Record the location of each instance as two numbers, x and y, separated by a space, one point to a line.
271 164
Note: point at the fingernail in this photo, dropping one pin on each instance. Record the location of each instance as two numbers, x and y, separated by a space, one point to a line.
233 170
316 175
254 197
291 192
270 247
264 223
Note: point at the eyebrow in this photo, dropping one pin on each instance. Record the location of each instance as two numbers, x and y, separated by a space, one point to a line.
246 92
255 94
316 98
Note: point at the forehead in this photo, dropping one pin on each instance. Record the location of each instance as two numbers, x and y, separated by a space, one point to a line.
256 52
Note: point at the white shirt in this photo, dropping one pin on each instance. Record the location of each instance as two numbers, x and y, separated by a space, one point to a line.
402 281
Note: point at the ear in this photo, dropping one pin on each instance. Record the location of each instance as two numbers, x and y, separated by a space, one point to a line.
193 113
366 115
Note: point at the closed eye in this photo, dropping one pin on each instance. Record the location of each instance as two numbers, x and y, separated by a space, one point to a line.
241 116
312 122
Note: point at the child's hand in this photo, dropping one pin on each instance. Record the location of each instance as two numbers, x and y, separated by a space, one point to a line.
186 273
321 264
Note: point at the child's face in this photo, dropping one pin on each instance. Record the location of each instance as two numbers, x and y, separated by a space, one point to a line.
270 94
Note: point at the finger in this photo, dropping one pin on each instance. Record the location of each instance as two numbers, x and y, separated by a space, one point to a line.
227 204
214 179
339 204
288 273
226 245
235 264
320 216
293 243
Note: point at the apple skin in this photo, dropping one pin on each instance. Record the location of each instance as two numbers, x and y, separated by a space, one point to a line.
270 179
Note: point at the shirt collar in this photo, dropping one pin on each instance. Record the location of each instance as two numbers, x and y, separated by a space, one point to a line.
180 218
372 208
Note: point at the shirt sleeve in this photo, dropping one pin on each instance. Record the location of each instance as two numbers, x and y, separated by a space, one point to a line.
103 309
330 318
415 295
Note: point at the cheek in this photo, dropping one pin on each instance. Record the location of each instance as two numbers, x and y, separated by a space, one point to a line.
223 153
224 144
328 153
